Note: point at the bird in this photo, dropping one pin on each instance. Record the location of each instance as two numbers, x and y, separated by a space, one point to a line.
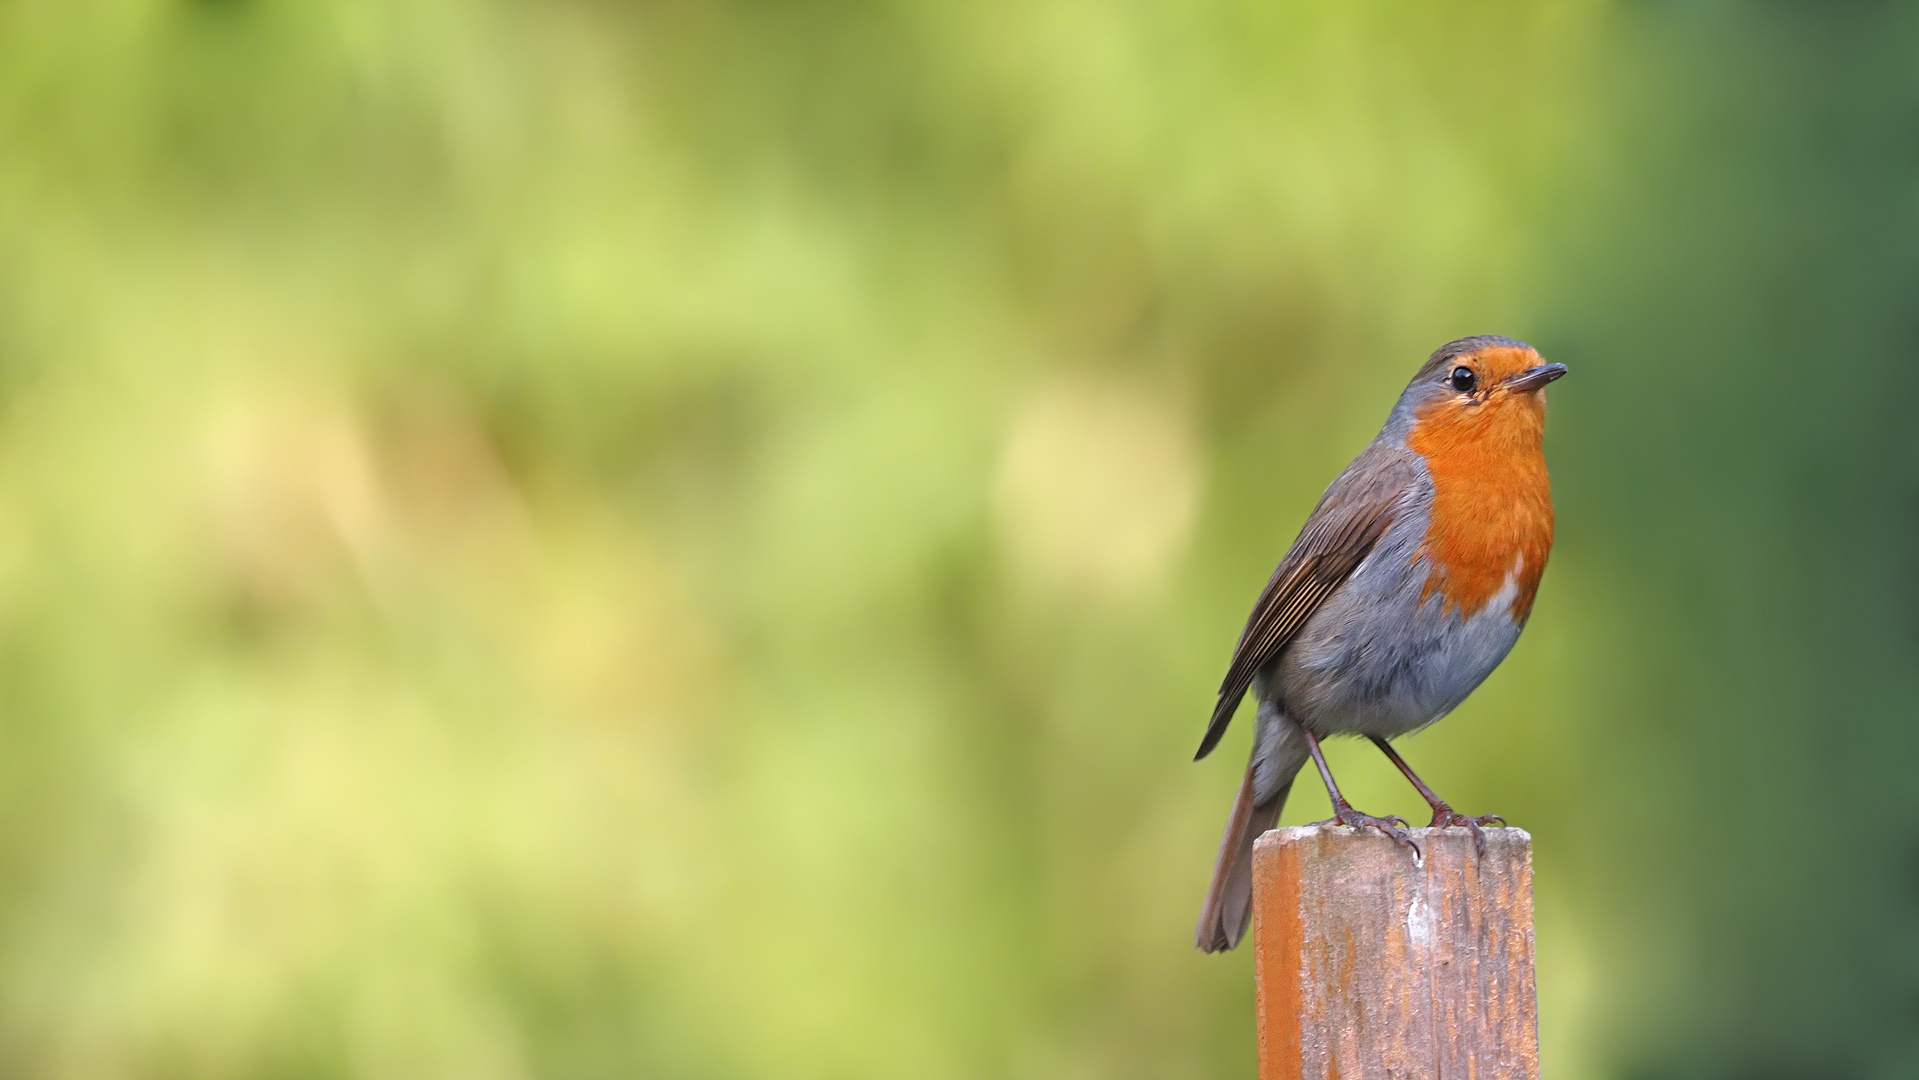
1408 584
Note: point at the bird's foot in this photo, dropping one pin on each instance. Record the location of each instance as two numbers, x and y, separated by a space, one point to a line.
1392 825
1445 817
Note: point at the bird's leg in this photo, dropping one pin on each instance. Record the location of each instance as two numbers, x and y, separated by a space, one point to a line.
1443 815
1343 811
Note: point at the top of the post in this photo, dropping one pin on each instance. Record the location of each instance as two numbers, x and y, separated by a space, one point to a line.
1503 842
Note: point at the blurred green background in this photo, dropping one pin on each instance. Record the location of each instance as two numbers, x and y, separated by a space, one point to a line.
696 538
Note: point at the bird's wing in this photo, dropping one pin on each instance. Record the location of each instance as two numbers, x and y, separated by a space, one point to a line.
1349 520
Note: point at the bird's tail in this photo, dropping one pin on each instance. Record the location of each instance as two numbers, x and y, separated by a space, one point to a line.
1278 753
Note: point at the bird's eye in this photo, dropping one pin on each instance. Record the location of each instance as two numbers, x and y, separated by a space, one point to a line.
1464 380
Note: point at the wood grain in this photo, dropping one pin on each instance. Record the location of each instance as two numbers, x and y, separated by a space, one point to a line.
1371 966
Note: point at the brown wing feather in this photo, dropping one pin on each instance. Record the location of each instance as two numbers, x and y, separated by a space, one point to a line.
1343 528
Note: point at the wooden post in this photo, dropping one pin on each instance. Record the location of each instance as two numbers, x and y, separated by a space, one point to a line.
1370 966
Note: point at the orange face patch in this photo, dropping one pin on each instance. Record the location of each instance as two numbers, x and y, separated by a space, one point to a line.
1492 513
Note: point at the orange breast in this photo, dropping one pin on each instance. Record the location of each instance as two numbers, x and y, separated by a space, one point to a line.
1492 511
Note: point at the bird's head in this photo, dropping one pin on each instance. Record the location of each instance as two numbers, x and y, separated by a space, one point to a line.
1479 388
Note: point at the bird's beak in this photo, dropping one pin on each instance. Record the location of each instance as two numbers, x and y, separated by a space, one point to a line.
1534 378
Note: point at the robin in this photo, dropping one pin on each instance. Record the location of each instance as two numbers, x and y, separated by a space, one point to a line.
1409 583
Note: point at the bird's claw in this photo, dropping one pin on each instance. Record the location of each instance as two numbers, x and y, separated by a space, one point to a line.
1392 825
1445 817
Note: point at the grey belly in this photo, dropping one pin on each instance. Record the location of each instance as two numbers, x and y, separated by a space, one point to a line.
1376 660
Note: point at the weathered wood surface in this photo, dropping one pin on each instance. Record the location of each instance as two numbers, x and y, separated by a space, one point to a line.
1370 966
